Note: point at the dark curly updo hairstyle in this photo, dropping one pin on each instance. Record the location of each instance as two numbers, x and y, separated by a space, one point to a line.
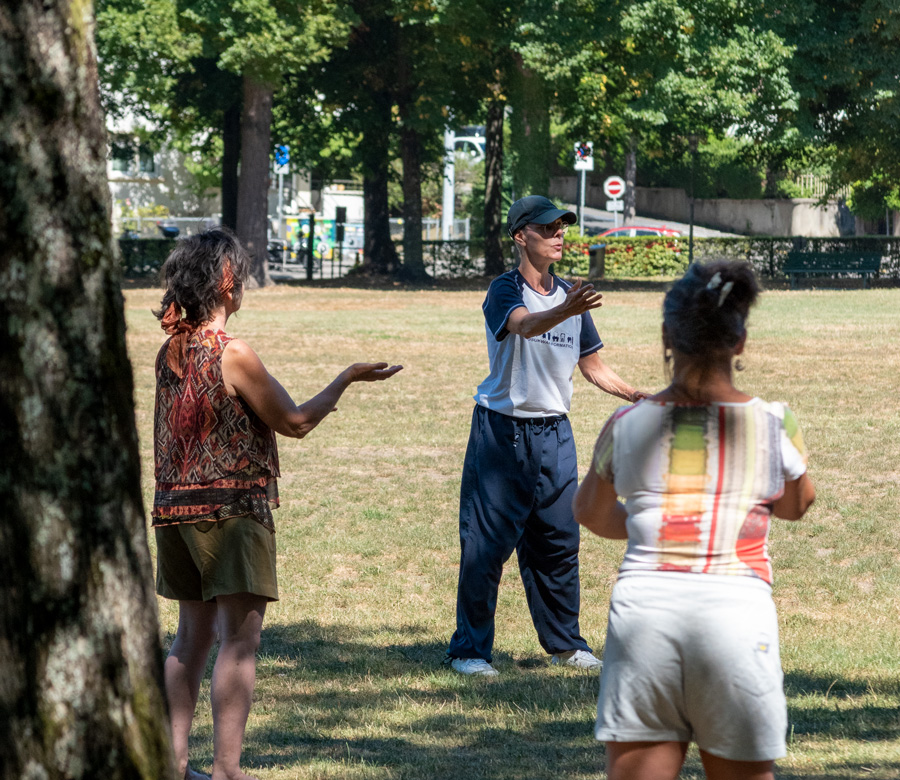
194 273
705 311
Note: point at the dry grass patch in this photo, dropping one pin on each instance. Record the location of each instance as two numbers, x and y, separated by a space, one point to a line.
350 681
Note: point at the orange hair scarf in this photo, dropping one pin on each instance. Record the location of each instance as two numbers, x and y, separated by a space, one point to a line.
180 329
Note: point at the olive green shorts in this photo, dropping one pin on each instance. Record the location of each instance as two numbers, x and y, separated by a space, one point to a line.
200 561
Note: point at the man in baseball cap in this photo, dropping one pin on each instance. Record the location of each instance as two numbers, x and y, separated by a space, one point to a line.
520 471
537 210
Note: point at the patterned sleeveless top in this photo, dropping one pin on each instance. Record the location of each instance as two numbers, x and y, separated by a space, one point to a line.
214 457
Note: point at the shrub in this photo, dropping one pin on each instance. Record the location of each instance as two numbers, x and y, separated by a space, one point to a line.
628 257
144 256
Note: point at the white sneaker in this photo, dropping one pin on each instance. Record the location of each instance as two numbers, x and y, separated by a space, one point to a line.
473 666
580 659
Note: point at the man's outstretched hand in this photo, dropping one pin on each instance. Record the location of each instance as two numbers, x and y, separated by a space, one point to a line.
580 298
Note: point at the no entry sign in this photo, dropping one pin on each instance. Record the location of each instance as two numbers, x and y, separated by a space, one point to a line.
614 187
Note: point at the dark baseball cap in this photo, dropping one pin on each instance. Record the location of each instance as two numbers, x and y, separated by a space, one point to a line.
537 209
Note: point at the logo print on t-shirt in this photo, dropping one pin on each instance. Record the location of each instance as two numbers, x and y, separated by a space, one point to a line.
554 339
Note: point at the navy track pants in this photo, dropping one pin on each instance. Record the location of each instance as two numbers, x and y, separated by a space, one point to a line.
518 481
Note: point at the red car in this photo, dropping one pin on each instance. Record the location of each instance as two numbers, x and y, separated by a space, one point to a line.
640 230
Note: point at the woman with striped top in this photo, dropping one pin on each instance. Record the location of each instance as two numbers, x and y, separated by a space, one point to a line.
692 642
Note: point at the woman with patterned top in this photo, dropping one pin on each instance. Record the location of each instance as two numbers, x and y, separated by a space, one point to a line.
217 412
692 641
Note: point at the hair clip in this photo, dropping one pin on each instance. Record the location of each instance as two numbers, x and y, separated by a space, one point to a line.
715 281
726 288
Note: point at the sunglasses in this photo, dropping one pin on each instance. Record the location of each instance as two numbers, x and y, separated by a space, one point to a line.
549 231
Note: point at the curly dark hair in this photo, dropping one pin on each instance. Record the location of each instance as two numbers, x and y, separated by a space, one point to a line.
706 310
193 273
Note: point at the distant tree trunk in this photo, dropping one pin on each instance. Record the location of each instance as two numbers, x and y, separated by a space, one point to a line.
411 153
770 189
379 253
494 264
630 180
413 267
231 157
253 185
530 137
80 662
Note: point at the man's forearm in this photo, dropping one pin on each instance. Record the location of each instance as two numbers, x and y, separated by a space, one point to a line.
536 323
600 375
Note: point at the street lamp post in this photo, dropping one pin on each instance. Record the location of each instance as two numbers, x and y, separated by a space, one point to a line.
692 141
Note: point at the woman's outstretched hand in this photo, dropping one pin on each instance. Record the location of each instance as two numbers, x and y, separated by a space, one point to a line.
371 372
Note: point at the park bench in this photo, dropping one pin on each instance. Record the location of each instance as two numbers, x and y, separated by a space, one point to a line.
864 264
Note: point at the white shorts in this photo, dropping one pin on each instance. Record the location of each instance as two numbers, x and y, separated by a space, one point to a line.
693 657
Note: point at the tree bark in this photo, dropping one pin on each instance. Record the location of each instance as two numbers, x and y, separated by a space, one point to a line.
379 253
411 154
80 662
413 267
231 157
630 181
530 138
253 184
494 264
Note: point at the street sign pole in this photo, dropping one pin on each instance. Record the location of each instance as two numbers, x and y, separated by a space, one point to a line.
282 158
448 199
581 201
281 217
614 188
311 246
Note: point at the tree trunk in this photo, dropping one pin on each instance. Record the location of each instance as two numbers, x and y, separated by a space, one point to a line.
379 253
253 185
530 137
630 180
80 662
494 264
411 153
231 157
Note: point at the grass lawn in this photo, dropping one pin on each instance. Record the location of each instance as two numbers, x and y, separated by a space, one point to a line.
350 683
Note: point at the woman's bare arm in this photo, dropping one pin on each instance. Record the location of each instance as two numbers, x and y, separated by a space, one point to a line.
245 375
597 507
799 495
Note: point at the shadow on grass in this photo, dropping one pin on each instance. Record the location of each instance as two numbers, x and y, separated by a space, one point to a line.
406 715
827 707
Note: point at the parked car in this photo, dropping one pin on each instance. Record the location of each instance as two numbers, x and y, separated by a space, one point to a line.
640 230
470 146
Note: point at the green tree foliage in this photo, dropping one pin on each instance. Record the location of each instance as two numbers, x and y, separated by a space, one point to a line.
845 67
180 63
663 70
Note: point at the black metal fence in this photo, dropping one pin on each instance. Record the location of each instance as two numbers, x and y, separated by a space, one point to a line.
768 254
462 259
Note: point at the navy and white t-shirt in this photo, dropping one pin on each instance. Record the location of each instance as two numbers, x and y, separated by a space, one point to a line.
531 377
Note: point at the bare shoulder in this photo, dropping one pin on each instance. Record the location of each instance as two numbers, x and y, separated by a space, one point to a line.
240 355
237 348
